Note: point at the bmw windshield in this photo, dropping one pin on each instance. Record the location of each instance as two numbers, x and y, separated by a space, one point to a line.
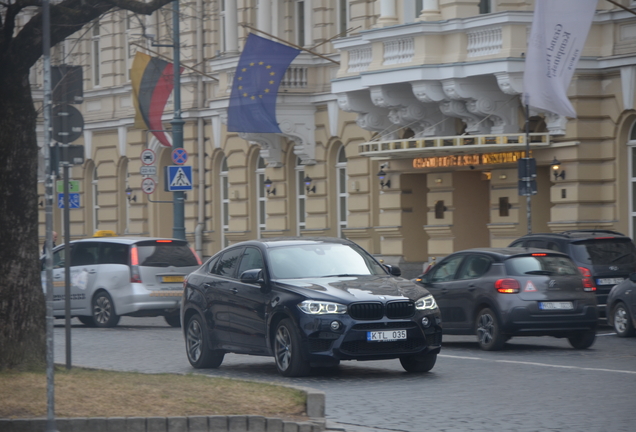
321 260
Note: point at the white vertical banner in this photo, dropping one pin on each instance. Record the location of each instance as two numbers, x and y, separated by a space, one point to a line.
559 31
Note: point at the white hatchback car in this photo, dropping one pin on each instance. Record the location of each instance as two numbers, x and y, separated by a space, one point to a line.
115 276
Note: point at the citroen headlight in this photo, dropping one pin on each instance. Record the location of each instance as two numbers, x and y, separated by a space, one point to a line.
315 307
426 303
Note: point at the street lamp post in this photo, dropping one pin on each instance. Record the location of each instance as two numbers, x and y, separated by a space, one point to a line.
178 230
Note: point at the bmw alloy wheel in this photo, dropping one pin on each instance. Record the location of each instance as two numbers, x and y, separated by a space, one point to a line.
283 348
194 339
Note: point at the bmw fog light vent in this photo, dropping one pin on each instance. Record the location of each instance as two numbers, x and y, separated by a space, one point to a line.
426 323
335 325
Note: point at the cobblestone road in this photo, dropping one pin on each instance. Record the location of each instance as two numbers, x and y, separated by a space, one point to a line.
534 384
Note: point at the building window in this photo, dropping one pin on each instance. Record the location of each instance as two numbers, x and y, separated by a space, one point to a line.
95 203
300 23
222 26
343 16
485 6
95 57
301 216
261 198
225 202
343 195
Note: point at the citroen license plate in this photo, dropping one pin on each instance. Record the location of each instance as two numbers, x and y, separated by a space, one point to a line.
556 305
386 336
172 279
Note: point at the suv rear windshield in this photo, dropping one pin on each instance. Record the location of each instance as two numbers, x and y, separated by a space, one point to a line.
540 265
165 253
612 251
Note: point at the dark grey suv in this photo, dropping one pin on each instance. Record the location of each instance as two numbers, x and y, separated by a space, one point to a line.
608 257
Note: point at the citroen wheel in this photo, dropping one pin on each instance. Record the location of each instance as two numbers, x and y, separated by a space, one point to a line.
488 331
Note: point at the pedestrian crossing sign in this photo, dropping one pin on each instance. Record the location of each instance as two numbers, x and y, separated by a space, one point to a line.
178 178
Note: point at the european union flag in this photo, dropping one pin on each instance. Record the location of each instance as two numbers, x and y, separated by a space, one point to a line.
258 75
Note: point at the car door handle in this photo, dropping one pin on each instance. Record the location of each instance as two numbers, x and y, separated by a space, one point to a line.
207 285
234 290
444 290
471 287
92 271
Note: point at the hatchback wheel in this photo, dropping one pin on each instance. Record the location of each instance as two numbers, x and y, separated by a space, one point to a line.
583 339
287 350
198 347
488 331
104 310
622 321
420 363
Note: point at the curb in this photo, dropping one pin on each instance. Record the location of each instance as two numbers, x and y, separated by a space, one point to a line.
165 424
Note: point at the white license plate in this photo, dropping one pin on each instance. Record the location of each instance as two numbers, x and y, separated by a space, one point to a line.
556 305
386 336
609 281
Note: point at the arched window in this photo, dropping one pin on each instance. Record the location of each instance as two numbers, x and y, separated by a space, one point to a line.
631 160
261 196
225 201
300 196
343 195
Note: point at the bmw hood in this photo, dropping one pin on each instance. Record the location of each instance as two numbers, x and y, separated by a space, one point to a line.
358 288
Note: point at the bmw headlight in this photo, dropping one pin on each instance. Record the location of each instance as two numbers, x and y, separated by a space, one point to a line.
426 303
315 307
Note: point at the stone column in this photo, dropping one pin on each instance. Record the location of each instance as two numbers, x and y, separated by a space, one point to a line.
309 34
264 17
388 13
430 11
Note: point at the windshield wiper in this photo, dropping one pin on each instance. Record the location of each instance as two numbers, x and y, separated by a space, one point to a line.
620 257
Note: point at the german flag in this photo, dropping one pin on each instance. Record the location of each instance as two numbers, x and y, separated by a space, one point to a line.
152 82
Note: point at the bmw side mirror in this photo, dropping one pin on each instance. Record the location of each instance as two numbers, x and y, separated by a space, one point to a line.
632 277
393 270
253 276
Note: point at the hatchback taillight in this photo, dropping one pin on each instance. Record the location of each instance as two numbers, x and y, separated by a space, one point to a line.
588 282
507 286
135 277
196 256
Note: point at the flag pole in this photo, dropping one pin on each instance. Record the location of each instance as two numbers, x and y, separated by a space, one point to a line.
290 44
169 59
528 178
621 6
178 206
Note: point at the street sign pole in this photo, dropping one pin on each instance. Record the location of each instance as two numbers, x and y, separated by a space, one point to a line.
67 261
48 190
178 230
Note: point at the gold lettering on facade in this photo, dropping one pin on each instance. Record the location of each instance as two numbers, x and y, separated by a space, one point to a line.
466 160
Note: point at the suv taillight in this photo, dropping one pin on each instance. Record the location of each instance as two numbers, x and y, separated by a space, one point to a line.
135 277
588 282
507 286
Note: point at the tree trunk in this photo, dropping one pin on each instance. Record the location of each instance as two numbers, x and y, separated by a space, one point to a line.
22 302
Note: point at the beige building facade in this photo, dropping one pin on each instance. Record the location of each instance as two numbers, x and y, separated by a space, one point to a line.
426 93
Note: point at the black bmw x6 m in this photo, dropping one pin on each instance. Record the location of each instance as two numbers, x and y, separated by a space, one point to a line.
307 302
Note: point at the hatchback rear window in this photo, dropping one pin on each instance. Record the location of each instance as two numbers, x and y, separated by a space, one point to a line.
613 251
548 265
165 253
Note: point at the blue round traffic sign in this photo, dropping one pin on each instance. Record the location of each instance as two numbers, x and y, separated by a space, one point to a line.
179 156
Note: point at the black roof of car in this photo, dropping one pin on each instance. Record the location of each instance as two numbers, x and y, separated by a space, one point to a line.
577 234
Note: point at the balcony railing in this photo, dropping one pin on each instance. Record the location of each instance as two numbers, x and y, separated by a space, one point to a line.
486 41
478 143
398 51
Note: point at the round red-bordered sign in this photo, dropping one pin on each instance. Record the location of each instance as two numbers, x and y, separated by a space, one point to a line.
148 185
148 157
179 156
